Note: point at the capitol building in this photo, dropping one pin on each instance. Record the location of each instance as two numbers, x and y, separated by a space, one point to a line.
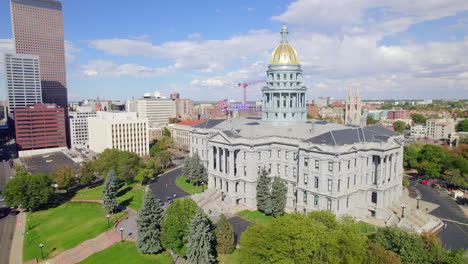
347 169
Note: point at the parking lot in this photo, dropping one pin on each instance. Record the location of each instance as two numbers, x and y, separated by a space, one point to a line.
48 163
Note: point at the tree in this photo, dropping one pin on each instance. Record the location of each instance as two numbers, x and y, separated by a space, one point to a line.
149 225
166 132
263 192
316 237
65 177
410 156
278 197
462 126
87 173
187 170
371 121
28 191
198 174
162 144
399 126
376 254
109 193
430 169
151 169
224 236
175 225
164 158
418 118
432 153
200 240
118 160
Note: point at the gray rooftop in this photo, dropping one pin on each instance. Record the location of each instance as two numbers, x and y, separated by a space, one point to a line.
353 135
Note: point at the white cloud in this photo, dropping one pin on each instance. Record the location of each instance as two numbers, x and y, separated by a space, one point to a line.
70 51
106 68
194 35
250 9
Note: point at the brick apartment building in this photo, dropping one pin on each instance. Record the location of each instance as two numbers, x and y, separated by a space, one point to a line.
399 114
40 126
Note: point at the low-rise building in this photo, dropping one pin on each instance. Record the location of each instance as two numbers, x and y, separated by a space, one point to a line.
181 133
418 131
40 126
439 128
399 114
119 130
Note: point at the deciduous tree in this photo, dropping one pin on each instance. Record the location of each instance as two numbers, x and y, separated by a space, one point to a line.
462 126
162 144
418 118
263 192
149 225
87 173
376 254
164 158
125 164
28 191
65 177
166 132
224 236
200 240
109 194
175 225
399 126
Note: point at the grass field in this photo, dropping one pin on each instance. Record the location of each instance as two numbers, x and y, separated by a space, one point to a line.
126 253
255 216
182 183
366 228
229 259
63 227
130 195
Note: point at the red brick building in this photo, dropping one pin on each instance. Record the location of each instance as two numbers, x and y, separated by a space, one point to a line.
40 126
399 114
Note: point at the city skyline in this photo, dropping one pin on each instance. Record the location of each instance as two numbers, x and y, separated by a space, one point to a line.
390 50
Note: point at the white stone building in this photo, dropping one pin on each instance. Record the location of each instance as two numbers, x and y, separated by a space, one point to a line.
79 135
346 169
418 131
439 128
119 130
156 110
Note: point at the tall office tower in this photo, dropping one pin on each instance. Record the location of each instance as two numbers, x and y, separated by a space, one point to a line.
23 81
38 30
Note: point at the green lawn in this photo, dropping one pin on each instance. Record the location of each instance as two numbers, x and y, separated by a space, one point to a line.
63 227
255 216
130 195
229 259
366 228
182 183
126 252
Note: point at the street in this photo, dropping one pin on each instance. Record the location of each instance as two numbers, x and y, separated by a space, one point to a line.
454 235
7 223
164 186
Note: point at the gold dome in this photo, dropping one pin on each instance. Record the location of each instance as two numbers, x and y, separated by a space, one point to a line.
284 53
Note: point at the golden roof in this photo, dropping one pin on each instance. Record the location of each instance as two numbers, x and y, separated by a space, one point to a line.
284 53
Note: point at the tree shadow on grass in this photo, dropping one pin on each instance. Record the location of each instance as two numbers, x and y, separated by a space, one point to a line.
126 202
124 191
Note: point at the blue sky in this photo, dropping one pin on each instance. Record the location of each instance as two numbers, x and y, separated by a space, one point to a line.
201 49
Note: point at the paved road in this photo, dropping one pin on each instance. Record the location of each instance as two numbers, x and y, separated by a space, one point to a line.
7 224
240 225
453 235
165 186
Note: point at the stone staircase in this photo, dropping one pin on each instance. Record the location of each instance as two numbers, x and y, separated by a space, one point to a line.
415 220
211 202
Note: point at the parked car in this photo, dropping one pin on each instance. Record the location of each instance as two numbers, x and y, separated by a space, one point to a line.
161 202
4 211
14 212
425 181
169 199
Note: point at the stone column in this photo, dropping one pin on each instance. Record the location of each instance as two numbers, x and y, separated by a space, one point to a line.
231 163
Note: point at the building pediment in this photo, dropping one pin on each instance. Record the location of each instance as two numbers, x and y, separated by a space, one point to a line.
220 138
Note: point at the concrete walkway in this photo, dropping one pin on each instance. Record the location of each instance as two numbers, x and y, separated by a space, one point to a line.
16 251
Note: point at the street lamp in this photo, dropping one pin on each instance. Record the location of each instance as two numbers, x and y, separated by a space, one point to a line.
41 246
417 201
403 211
121 234
29 224
107 216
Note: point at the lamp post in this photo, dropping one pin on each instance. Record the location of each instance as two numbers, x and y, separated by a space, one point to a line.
108 216
417 201
41 246
29 224
121 234
403 211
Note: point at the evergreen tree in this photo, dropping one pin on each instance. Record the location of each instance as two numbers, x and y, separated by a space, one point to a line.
187 169
224 236
278 197
200 240
109 194
149 225
199 175
263 193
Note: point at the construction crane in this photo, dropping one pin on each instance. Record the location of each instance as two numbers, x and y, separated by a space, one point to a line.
245 84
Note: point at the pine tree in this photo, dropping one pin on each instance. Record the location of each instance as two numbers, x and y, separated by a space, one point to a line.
224 236
149 225
200 240
187 169
199 174
109 194
278 197
263 193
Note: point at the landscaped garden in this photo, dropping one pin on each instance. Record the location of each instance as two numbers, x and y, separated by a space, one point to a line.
127 253
182 183
255 216
130 195
64 227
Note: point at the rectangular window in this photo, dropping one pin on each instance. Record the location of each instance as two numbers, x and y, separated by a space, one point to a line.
338 205
330 183
294 172
328 204
355 163
306 162
295 156
354 179
316 182
269 153
339 166
330 165
279 153
374 197
286 155
316 198
347 185
316 164
269 168
349 164
259 155
306 178
347 201
339 185
286 171
245 171
245 155
305 197
278 169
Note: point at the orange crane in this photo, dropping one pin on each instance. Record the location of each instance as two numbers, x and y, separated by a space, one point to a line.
245 84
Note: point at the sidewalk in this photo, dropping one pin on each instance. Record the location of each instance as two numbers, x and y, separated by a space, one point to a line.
16 251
